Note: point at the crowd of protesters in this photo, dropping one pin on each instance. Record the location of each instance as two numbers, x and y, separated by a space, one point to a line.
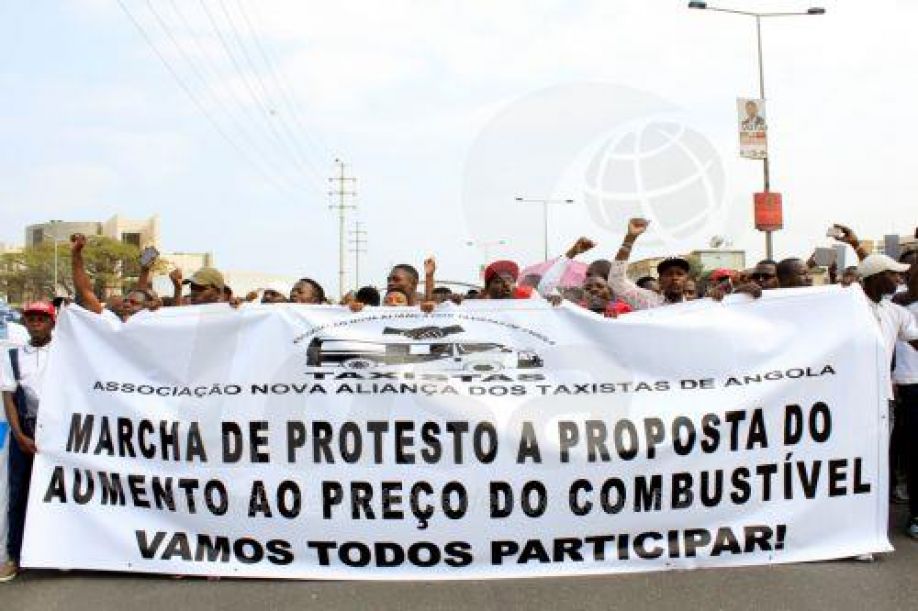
891 288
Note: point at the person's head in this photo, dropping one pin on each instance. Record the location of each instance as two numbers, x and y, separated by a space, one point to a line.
307 290
596 293
723 278
531 280
395 297
136 300
672 274
793 273
115 304
599 267
765 274
207 286
368 295
472 294
227 293
648 282
500 279
850 276
271 295
441 294
690 290
403 277
752 109
880 275
39 317
348 298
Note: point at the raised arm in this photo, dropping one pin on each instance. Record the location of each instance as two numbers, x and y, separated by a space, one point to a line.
82 284
636 227
176 277
552 276
848 237
622 287
430 268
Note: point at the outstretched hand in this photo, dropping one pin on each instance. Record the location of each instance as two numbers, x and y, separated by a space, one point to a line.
430 266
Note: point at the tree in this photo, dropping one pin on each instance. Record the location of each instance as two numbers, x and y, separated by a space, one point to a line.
29 274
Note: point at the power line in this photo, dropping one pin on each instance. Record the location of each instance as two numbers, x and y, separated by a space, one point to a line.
184 86
203 79
245 80
316 143
304 163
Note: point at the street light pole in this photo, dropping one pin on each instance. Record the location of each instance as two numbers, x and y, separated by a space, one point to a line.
545 203
769 250
486 245
55 238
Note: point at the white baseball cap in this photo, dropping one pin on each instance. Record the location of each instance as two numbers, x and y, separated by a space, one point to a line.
876 264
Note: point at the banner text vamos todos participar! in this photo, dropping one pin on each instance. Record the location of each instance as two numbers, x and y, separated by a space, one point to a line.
488 440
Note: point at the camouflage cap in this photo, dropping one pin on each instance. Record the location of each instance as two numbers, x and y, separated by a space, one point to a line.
207 276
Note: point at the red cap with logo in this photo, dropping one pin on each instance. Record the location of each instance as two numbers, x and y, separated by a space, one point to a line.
42 307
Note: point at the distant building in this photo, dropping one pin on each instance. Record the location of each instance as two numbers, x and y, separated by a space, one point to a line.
140 233
710 260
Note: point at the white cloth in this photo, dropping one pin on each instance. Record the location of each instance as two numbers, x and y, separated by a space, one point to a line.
552 276
906 371
896 323
32 361
13 335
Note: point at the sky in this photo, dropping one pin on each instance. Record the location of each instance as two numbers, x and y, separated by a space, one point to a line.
225 117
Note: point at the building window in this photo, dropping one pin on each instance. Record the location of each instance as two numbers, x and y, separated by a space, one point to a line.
38 236
131 238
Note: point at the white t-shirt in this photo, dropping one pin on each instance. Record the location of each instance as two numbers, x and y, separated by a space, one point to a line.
906 371
896 323
13 335
32 362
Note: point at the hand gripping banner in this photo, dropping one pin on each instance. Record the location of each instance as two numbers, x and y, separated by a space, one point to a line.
494 439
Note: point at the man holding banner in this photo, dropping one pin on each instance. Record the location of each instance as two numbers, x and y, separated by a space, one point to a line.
21 380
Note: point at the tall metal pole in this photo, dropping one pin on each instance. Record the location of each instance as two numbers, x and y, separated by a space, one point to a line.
769 245
545 203
342 193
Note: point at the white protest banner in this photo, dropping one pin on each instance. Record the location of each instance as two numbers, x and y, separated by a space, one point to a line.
495 439
753 128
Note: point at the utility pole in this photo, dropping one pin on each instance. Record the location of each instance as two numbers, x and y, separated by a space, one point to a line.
358 241
342 192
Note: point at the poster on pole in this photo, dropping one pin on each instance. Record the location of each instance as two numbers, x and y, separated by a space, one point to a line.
489 440
753 128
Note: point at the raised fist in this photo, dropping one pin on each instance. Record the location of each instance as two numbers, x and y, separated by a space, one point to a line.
430 266
581 246
176 277
637 226
77 242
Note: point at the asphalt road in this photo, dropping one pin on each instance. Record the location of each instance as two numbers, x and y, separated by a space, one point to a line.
890 583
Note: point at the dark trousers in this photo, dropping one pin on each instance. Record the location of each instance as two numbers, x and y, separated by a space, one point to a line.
908 402
20 478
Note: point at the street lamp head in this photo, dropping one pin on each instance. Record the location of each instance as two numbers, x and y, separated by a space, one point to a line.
519 199
816 10
698 5
568 201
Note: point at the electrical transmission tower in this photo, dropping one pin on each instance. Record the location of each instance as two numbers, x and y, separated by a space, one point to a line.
358 242
341 191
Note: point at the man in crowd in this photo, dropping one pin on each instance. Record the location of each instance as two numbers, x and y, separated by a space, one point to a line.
21 378
205 286
905 376
765 274
307 290
672 273
134 301
793 273
405 278
500 280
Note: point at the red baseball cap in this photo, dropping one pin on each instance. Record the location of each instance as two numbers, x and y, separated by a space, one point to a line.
501 267
719 274
41 307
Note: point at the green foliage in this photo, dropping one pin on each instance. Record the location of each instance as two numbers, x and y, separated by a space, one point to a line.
696 267
29 274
